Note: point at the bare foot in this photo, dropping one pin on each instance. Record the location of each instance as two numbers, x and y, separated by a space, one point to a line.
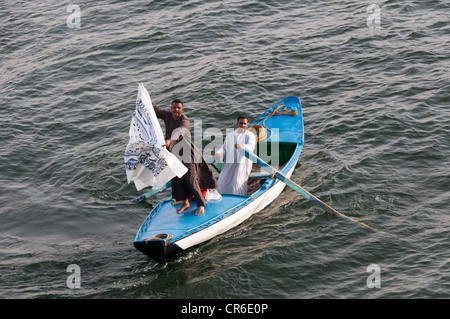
200 210
183 206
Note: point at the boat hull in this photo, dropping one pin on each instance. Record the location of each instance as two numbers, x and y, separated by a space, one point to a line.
243 213
165 233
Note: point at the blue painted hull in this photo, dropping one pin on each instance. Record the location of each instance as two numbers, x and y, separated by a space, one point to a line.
164 232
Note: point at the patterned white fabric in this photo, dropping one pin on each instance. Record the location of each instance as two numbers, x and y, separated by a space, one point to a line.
147 163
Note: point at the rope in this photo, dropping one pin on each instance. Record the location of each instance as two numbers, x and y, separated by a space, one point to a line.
269 115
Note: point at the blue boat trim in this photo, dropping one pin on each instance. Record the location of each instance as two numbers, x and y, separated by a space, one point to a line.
163 218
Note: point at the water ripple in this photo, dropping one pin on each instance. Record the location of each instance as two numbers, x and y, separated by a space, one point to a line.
376 144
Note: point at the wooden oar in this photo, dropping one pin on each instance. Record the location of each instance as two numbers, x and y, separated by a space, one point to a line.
150 193
254 158
154 191
210 161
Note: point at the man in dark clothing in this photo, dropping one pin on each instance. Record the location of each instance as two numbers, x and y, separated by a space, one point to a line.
178 141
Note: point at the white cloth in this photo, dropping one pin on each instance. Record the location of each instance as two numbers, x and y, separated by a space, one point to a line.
236 167
147 163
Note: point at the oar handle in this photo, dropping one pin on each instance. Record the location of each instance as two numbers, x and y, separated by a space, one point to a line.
140 198
150 193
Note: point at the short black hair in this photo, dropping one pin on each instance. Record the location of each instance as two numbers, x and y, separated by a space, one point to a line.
178 101
241 117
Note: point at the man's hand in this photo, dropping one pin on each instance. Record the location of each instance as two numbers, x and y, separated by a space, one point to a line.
167 144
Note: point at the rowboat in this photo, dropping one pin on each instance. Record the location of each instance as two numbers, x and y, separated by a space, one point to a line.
280 135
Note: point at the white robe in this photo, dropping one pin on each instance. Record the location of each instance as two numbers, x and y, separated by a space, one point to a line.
236 167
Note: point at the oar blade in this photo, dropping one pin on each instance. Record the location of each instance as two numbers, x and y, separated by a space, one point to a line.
261 163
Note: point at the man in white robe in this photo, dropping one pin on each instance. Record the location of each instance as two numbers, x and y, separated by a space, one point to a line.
236 167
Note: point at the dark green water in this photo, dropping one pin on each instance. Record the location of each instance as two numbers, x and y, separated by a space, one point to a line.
377 119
